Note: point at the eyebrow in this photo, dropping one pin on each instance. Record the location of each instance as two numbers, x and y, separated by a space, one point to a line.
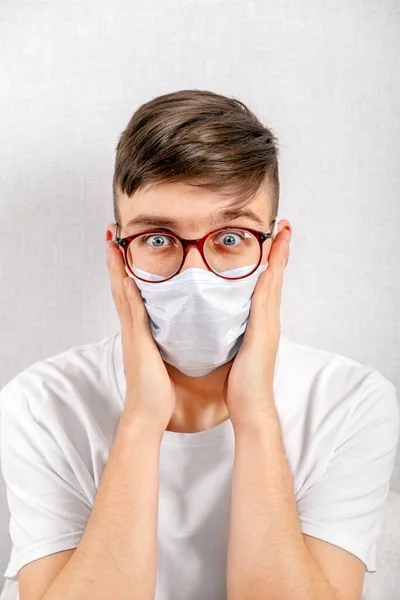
228 214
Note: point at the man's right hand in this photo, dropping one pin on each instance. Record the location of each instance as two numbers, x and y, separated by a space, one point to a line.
150 393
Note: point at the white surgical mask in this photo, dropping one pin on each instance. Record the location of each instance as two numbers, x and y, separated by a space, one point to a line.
197 318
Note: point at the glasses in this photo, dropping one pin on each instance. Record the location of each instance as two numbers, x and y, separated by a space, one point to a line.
158 255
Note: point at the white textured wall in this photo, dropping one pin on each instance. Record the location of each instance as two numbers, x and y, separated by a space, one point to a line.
323 75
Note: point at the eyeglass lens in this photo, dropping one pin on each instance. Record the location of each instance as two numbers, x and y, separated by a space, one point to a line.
158 256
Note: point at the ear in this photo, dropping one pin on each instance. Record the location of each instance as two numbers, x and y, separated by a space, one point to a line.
110 232
283 224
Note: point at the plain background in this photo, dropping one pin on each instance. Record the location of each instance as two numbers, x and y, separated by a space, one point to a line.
323 75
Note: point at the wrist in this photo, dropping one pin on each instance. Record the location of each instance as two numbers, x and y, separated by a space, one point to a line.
258 424
137 423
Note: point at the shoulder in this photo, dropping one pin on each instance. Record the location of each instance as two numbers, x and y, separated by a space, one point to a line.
325 374
70 382
328 401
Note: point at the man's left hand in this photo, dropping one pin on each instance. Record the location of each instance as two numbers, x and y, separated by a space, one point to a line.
249 388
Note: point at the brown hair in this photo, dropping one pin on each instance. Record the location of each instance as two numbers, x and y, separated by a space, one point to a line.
200 138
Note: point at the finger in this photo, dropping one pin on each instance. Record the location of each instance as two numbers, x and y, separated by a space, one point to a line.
266 300
277 262
258 305
135 329
127 293
138 311
263 288
117 274
280 249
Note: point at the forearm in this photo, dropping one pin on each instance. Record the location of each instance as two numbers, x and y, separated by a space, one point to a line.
267 556
117 555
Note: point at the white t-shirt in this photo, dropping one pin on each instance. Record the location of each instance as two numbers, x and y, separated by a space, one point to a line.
340 424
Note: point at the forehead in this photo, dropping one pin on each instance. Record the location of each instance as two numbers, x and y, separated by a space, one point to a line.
191 206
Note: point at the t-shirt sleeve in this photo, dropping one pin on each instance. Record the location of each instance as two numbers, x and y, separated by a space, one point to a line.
346 505
48 508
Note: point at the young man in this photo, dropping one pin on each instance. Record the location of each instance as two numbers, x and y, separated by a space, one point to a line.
198 454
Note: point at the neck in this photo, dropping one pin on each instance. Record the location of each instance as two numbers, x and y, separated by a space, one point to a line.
200 401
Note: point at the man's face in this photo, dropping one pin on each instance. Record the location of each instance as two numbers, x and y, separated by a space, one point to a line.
191 213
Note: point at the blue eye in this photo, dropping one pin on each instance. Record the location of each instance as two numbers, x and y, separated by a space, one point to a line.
230 238
157 241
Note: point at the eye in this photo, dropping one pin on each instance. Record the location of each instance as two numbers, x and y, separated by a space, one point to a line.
230 238
157 240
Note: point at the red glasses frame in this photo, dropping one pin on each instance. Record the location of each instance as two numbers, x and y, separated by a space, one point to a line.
124 243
